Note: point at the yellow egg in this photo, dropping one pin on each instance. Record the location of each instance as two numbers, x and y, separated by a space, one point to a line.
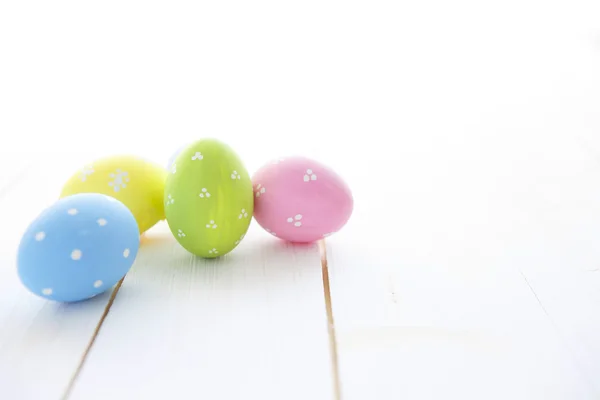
137 183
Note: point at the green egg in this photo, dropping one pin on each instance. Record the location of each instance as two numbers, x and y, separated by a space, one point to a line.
208 198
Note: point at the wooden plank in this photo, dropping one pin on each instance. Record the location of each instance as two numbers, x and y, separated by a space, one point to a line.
434 311
429 331
560 258
41 343
249 325
436 305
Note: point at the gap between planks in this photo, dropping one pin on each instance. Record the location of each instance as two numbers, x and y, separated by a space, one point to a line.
335 370
559 333
84 357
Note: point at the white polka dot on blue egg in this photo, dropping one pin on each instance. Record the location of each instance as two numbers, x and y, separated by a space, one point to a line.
77 248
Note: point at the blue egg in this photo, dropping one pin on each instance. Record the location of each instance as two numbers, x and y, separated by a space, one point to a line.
77 248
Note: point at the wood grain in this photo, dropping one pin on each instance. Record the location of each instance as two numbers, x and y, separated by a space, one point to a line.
249 325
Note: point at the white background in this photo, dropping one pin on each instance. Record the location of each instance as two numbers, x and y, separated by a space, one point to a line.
469 132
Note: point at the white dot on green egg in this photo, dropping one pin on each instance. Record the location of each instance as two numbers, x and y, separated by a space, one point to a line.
126 253
97 284
101 221
72 211
40 236
47 291
76 254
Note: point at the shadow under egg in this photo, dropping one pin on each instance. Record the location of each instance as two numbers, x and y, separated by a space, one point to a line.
162 264
155 239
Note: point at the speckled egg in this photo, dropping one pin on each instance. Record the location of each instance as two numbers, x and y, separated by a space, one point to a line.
136 182
300 200
208 198
77 248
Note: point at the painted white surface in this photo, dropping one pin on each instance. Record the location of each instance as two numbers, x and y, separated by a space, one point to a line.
41 343
450 314
469 131
249 325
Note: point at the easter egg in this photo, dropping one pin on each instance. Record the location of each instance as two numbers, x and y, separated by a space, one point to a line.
208 198
77 248
300 200
137 183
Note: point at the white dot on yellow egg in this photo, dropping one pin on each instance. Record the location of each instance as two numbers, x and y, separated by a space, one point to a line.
40 236
126 253
72 211
101 222
47 291
76 254
97 284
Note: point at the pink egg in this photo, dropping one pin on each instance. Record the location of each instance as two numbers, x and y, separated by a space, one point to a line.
300 200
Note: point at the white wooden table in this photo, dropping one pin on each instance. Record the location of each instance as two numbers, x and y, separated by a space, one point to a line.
469 132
